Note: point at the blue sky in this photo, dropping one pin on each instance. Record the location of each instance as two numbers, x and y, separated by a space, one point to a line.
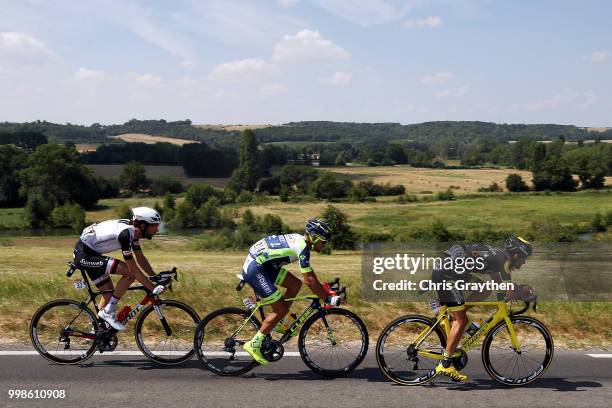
277 61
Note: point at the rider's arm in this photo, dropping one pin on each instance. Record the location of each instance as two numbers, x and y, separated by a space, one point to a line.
142 259
126 249
503 275
311 280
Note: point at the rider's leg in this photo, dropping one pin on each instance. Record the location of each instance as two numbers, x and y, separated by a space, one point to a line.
292 284
280 309
460 320
126 280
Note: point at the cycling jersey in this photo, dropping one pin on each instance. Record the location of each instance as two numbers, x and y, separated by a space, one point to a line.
98 239
111 235
263 267
494 262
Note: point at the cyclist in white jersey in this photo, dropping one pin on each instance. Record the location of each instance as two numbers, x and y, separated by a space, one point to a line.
109 236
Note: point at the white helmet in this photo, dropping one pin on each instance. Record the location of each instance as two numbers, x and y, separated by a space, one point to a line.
146 214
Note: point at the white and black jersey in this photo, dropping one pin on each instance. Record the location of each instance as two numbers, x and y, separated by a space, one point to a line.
111 235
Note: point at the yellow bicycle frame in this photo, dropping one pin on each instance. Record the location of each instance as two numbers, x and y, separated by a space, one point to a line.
443 321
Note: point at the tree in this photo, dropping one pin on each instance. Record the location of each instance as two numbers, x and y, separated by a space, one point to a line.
248 172
538 156
554 175
134 177
12 159
68 215
54 172
327 186
514 182
37 210
343 236
198 194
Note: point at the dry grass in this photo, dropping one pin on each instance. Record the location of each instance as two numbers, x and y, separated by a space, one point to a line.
140 137
231 128
33 273
86 147
417 179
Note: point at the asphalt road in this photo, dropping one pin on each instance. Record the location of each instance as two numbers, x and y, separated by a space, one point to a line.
573 380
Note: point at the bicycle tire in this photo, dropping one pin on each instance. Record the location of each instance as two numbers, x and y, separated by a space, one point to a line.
183 337
326 315
211 355
526 343
386 364
62 356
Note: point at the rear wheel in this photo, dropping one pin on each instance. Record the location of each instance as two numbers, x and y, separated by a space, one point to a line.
404 361
64 331
167 338
509 366
333 342
219 339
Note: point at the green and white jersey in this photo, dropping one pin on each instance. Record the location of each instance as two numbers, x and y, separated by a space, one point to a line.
282 250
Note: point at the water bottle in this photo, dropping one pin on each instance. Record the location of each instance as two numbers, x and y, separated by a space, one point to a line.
123 313
472 329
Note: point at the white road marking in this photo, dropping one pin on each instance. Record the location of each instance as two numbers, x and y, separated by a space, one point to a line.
127 353
600 355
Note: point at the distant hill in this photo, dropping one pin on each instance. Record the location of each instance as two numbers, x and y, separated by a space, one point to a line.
313 131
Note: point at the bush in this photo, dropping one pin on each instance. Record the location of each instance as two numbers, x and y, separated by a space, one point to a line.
551 230
375 237
68 215
244 197
209 215
446 195
163 185
198 194
407 198
493 188
185 215
515 183
124 212
393 189
270 184
342 234
599 223
327 186
37 210
358 194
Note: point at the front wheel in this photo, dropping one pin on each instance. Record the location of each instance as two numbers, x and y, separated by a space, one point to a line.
219 338
333 342
164 332
64 331
514 367
403 359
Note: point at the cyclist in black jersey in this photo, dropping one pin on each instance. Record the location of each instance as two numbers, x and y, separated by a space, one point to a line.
495 262
108 236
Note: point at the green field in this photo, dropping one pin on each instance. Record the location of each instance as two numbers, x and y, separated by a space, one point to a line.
33 273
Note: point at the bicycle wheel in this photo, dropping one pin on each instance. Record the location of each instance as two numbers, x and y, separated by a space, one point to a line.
333 342
219 339
397 355
63 331
167 337
510 367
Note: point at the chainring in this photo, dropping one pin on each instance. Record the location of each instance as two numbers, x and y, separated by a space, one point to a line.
272 350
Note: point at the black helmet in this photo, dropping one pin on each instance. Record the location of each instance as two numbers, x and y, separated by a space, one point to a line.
319 229
518 245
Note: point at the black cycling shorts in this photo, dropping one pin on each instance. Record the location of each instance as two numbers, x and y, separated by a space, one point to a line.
97 266
453 299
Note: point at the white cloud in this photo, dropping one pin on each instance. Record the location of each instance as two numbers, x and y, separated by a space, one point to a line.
242 69
368 12
307 45
438 77
148 80
21 49
270 90
140 21
240 23
338 79
89 75
287 3
431 21
455 92
566 98
597 56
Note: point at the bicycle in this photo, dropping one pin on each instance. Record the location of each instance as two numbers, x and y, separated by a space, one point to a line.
66 331
410 347
327 335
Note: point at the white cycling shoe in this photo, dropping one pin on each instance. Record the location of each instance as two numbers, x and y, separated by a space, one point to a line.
111 319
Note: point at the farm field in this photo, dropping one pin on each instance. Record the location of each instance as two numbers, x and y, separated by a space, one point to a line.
417 180
175 172
140 137
33 273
